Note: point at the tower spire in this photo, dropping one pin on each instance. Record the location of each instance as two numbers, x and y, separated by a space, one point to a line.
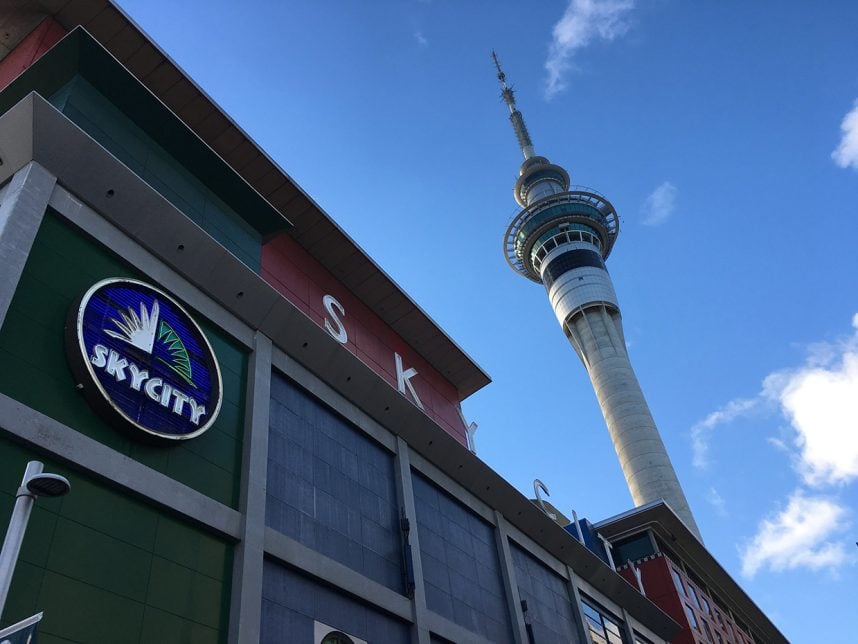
515 116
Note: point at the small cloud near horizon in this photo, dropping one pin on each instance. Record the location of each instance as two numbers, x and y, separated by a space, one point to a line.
702 431
846 154
717 501
583 22
660 204
802 535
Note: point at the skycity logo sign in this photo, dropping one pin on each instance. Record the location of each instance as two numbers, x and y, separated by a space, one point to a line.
143 361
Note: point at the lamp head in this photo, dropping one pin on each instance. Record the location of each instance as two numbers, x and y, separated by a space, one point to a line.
48 485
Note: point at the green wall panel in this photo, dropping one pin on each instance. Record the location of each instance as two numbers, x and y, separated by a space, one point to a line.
62 265
107 124
107 567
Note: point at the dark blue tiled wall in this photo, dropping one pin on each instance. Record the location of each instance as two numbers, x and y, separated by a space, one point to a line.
330 487
549 610
291 602
460 564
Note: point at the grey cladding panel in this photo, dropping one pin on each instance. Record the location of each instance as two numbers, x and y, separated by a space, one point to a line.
549 610
330 487
461 569
291 602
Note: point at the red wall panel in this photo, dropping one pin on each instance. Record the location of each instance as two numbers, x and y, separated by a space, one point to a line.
302 280
41 39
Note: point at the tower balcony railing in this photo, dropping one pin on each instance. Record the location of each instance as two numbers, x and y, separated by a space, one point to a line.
607 220
583 194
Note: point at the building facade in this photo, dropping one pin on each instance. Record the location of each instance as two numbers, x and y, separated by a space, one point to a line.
332 495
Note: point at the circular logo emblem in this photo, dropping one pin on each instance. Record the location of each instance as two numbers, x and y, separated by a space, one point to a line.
144 360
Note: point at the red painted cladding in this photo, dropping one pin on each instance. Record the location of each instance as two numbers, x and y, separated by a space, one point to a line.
659 587
304 281
662 590
41 39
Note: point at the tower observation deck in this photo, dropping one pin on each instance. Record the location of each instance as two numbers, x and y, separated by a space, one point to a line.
561 239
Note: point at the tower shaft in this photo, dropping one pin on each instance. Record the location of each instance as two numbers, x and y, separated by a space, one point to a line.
597 335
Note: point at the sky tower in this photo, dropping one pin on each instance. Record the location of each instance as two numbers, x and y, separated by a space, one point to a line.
561 239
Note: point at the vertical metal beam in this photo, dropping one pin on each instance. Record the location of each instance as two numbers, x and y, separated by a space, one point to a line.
575 594
405 494
519 630
246 602
21 212
627 625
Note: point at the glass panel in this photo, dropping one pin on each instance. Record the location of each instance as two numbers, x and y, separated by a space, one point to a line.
692 619
693 594
677 580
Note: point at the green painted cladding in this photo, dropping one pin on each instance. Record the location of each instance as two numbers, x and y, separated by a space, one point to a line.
105 567
103 121
62 265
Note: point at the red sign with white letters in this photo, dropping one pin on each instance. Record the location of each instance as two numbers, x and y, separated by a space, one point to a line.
302 280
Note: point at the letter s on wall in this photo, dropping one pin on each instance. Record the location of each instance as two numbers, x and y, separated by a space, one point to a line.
335 328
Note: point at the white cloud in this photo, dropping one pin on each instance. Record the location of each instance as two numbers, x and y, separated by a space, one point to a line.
846 154
821 402
717 501
421 39
660 204
701 433
800 536
581 23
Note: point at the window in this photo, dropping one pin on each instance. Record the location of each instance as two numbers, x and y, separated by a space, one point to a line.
693 594
604 628
677 580
692 619
633 548
705 604
707 631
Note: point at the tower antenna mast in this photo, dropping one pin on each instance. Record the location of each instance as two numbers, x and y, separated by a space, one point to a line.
515 116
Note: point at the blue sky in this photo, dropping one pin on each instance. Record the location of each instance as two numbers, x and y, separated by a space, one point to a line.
726 134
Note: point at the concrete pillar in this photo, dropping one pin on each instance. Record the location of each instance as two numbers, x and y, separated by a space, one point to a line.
519 629
575 596
22 207
405 494
597 335
245 615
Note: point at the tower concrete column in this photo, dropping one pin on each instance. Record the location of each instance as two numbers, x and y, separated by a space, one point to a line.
597 336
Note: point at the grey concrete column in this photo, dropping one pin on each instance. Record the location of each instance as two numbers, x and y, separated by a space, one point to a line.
246 602
516 618
21 213
575 595
405 494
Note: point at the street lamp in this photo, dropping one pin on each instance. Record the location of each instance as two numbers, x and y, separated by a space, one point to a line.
34 484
